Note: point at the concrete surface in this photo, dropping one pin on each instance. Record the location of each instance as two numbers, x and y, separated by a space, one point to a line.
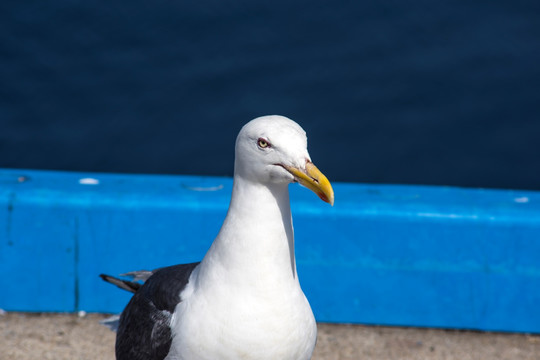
26 336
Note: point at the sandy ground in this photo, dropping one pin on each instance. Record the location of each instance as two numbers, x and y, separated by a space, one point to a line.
66 336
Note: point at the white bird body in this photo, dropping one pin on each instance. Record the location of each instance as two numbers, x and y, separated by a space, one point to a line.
244 300
245 294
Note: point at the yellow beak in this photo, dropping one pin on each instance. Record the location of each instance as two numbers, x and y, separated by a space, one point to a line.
314 180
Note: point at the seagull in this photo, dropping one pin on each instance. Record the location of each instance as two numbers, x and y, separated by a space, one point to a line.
243 300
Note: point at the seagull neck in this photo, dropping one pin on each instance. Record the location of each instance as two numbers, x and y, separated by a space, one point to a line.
256 239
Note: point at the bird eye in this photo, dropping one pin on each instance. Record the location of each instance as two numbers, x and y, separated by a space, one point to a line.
263 143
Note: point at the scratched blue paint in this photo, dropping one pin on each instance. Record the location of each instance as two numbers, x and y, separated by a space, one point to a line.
384 254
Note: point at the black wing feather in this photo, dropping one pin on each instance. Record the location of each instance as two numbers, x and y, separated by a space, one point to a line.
127 285
144 332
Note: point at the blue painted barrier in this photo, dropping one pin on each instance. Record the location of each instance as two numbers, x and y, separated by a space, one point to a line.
393 255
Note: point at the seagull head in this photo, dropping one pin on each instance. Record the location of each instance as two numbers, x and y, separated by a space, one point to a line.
273 150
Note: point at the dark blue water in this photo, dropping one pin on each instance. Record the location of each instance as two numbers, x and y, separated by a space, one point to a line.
422 92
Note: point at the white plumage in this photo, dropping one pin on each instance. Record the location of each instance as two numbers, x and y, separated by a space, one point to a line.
244 300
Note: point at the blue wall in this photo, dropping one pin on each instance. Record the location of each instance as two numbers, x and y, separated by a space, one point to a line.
394 255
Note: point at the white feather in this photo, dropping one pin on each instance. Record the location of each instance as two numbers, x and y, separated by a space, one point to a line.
244 301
